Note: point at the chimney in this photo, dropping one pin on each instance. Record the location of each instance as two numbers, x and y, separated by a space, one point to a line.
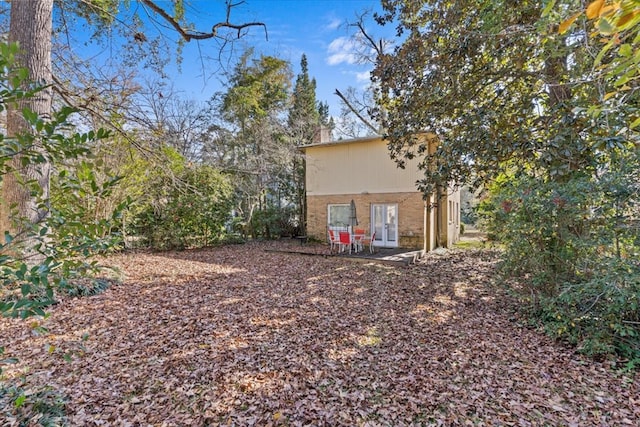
322 135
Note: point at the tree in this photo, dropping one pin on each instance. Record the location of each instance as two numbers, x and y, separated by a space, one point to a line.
357 106
258 155
31 28
493 82
303 126
511 91
164 117
456 58
354 113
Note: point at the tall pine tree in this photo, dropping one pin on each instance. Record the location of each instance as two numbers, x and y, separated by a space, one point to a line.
305 117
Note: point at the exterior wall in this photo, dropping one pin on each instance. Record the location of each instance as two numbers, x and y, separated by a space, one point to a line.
411 214
358 167
447 215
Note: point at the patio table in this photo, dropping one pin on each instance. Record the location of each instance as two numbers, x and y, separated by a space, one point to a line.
356 240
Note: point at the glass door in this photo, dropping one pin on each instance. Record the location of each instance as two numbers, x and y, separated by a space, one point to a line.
384 218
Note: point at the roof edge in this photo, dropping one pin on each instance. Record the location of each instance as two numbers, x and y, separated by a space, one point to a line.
353 140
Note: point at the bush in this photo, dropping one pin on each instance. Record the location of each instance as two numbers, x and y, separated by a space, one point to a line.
191 214
274 222
572 244
545 228
601 316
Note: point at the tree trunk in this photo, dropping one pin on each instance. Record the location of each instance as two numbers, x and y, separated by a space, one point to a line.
31 28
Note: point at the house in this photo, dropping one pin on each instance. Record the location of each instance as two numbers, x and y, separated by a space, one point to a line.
386 198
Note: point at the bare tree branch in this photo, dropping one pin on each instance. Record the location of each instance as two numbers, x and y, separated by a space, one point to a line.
59 88
188 35
378 47
356 112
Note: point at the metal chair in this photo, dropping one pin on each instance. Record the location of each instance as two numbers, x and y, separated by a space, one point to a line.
358 238
345 240
369 241
333 240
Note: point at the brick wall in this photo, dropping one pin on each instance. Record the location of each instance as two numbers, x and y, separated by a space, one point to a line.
411 214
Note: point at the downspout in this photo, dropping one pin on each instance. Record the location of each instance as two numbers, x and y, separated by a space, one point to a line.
438 214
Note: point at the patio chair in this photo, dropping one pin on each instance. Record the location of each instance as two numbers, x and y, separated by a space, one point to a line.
345 240
333 240
369 241
358 238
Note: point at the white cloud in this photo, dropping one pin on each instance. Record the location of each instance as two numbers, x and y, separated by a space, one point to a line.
334 24
363 76
341 50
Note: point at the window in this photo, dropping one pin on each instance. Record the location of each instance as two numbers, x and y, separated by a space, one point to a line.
339 215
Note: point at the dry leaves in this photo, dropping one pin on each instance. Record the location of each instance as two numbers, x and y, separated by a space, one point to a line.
242 336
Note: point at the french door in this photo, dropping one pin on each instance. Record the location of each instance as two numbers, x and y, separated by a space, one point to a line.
384 218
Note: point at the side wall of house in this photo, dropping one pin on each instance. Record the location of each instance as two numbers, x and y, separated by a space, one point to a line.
411 214
356 168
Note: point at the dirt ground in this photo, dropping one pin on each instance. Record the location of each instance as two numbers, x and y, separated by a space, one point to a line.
242 336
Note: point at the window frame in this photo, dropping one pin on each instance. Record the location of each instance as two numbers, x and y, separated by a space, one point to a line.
337 225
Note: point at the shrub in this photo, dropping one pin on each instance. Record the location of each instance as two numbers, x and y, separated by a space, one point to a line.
274 222
191 214
600 315
572 244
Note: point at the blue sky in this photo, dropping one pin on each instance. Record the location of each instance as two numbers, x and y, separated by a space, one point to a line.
315 28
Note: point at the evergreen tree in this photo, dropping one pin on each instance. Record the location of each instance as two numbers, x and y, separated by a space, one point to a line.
325 119
306 116
254 107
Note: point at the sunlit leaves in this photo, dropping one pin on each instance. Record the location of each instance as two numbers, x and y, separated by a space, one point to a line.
617 27
564 26
243 335
258 87
594 9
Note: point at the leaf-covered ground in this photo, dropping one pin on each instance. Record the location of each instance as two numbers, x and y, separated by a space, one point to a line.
241 336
